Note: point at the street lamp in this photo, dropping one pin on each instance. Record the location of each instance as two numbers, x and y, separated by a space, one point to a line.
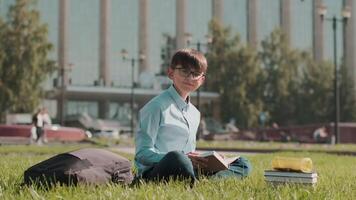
346 14
64 82
133 60
198 44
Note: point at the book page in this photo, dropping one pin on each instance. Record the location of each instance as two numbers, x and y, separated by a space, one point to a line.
217 162
231 159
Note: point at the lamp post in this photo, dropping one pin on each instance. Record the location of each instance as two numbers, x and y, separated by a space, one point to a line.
133 60
346 14
198 44
64 82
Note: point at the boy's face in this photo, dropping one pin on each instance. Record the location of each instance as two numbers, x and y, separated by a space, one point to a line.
186 79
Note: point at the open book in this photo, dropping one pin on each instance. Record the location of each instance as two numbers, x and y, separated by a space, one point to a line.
216 162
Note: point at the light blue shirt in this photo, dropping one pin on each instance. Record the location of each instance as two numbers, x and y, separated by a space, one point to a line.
166 123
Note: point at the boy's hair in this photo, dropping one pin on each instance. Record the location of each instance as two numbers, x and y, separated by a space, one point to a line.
189 58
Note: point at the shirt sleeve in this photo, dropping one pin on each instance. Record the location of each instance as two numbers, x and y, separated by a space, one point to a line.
149 121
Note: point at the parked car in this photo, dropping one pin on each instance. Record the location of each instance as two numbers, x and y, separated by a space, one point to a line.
22 133
108 133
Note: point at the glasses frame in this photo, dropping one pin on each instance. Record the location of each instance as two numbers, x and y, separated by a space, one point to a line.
183 72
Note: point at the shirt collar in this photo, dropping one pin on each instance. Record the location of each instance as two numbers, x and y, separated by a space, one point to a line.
182 105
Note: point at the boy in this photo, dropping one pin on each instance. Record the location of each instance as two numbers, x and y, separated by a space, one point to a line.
166 138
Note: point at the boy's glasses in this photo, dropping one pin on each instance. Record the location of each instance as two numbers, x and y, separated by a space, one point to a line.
186 73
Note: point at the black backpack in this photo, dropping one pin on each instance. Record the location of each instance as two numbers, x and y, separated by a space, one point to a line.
84 166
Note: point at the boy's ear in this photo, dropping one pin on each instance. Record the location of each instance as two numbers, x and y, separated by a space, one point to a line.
202 79
170 73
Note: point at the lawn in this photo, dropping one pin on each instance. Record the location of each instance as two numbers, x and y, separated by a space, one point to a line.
337 175
250 145
292 146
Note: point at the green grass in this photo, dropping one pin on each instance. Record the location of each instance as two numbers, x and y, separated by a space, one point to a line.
275 145
337 175
242 145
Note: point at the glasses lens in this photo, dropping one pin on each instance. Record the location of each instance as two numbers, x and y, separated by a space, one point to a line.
197 75
185 72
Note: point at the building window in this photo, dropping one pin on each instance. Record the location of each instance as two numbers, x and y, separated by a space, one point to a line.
302 24
235 16
268 18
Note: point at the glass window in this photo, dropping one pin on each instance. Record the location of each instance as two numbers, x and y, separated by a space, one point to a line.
124 35
333 9
79 107
120 112
268 18
235 16
199 13
49 14
162 23
302 24
83 40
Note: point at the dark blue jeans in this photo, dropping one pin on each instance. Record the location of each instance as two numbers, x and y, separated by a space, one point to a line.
174 165
177 165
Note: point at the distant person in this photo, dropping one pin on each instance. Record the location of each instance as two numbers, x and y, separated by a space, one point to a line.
33 131
46 118
285 137
275 125
320 135
168 124
40 119
37 121
46 122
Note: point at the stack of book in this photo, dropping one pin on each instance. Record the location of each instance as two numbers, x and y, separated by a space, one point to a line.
278 177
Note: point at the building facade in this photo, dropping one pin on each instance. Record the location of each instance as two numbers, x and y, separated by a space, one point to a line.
89 35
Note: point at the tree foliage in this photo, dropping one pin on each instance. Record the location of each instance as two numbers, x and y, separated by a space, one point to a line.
314 100
24 62
281 65
299 89
234 73
285 83
347 96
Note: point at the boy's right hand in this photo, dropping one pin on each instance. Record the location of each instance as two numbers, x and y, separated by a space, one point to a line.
197 161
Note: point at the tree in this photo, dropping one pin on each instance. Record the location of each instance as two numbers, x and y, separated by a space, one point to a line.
234 73
347 96
2 53
24 59
298 89
281 64
315 96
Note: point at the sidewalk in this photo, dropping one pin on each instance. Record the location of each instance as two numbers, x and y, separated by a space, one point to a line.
131 150
231 151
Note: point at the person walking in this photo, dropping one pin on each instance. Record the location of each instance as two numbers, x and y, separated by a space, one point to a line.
37 121
46 122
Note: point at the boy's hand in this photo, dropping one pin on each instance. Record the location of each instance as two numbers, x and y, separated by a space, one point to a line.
197 161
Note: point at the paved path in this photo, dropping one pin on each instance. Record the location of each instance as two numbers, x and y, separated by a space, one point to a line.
230 151
131 150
